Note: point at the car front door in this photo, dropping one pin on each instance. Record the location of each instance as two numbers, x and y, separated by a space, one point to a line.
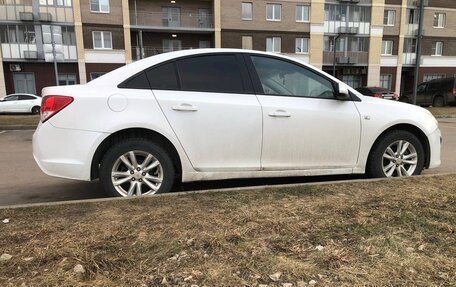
421 98
214 114
10 104
304 126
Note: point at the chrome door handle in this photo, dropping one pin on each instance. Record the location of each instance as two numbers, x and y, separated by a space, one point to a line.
280 114
185 108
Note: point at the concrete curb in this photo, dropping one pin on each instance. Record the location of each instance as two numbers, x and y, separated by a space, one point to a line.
196 192
17 128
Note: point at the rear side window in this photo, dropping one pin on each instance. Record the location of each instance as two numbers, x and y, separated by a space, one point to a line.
138 81
163 77
212 73
432 86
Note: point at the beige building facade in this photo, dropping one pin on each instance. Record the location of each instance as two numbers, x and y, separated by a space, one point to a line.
363 42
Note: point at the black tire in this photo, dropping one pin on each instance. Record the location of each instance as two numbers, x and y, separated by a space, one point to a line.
35 110
376 161
438 101
138 146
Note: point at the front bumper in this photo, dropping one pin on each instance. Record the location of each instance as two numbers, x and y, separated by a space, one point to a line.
435 144
65 153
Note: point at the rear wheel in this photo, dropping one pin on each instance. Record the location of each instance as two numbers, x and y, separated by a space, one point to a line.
438 102
35 110
397 154
136 167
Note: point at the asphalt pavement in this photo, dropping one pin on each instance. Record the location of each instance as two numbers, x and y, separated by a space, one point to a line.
22 182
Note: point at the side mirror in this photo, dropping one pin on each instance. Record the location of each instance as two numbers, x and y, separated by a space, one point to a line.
343 94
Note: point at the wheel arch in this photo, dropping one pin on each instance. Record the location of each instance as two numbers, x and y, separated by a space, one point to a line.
135 133
413 130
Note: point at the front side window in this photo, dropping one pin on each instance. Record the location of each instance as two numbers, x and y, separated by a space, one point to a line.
302 45
389 18
302 13
387 47
437 49
99 6
421 88
102 40
439 20
11 98
247 11
273 12
213 73
274 44
282 78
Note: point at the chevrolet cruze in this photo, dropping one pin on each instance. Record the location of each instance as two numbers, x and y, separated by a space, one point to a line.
213 114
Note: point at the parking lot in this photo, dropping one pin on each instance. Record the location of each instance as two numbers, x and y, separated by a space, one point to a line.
22 182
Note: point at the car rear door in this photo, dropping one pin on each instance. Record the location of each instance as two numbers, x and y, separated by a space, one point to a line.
214 112
304 126
25 103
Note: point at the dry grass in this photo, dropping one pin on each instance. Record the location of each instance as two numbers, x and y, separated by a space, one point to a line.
443 111
20 120
388 233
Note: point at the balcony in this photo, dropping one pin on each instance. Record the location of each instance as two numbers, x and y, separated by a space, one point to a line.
175 21
345 58
10 12
151 51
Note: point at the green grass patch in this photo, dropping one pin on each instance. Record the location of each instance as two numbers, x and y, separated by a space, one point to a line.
386 233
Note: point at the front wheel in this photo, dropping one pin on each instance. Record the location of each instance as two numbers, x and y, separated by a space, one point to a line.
136 167
397 154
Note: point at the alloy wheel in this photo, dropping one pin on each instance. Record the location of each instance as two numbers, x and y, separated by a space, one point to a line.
400 159
137 173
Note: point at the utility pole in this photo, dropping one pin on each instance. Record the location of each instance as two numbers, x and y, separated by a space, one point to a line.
55 57
418 51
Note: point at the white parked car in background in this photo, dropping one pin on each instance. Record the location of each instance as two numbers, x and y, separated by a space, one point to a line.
20 103
223 113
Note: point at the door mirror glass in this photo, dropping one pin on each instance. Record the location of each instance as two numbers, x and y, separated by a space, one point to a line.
343 93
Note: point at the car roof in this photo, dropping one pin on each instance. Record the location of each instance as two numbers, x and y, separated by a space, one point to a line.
119 75
22 94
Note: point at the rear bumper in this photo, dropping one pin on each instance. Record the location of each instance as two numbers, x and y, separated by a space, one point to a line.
435 143
65 153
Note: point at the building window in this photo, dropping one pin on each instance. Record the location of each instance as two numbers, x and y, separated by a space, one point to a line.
302 45
68 36
389 18
344 13
94 75
352 80
437 49
302 13
273 12
64 3
387 47
385 81
273 44
204 44
413 16
67 79
439 20
409 45
247 42
429 77
247 11
24 34
101 6
102 40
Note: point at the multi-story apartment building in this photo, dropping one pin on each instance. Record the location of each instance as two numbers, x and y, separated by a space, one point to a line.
363 42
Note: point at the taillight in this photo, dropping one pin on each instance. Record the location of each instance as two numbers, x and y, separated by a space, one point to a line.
377 95
454 91
51 105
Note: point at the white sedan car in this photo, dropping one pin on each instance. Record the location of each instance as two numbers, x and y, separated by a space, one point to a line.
20 103
223 113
